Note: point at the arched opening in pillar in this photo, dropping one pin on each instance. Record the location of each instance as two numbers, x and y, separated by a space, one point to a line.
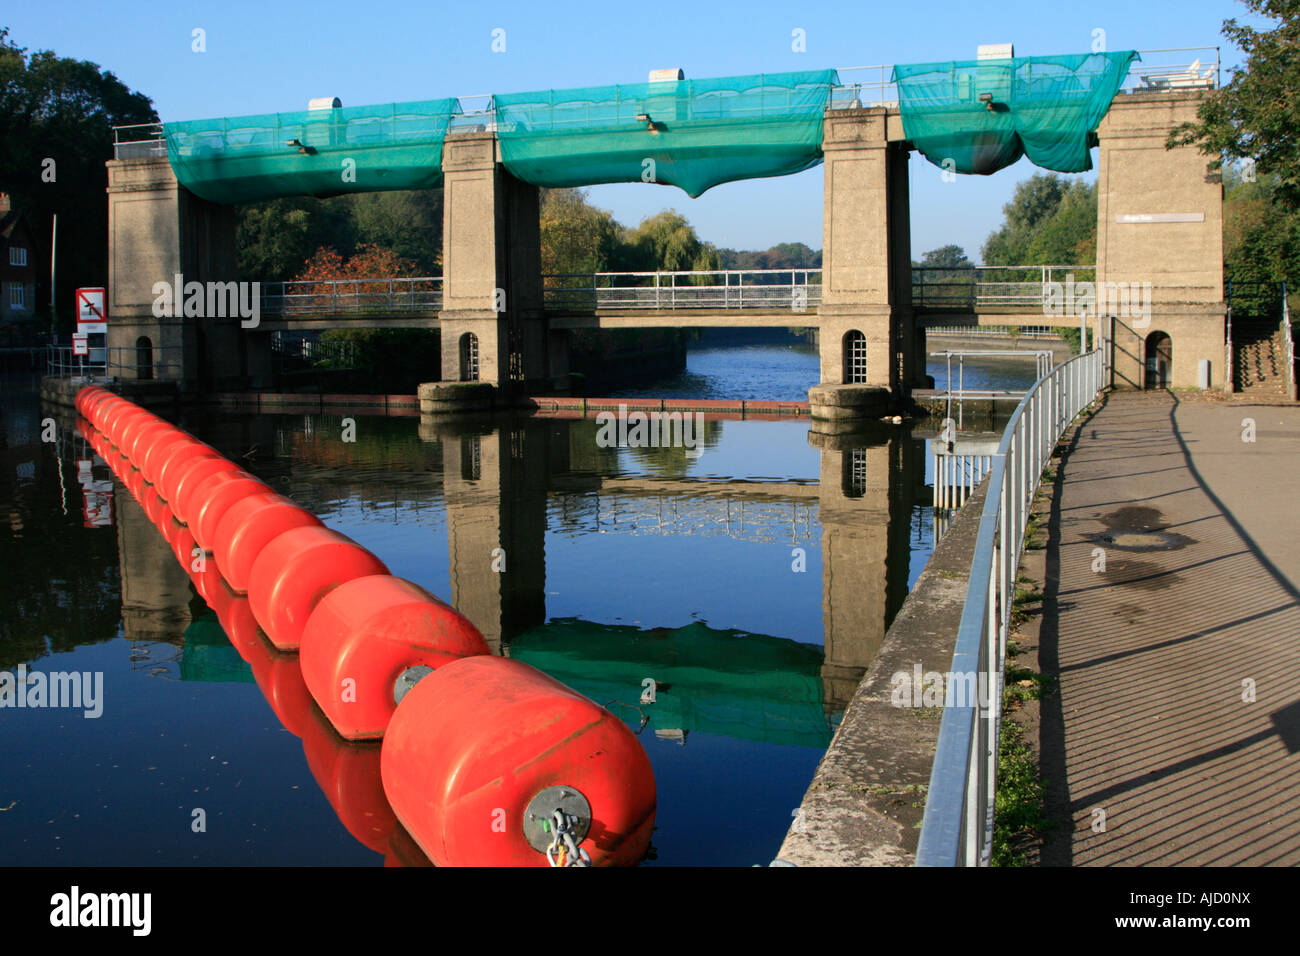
469 357
1159 351
143 358
855 358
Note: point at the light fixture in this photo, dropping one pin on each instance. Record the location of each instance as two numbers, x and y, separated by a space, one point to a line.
296 143
987 100
649 123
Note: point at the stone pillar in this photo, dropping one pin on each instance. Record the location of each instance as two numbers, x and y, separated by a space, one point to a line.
157 229
866 265
1159 221
492 282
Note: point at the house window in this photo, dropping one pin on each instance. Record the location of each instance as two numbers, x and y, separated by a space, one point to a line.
17 255
17 299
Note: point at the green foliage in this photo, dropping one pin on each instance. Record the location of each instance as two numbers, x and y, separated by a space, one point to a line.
784 255
391 360
61 109
576 236
1050 220
667 241
1255 114
276 237
945 257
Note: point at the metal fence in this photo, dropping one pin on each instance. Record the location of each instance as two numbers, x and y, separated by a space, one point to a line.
1289 340
969 287
795 289
957 829
351 296
160 363
1172 68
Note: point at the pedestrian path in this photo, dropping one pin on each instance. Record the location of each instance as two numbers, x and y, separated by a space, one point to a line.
1172 616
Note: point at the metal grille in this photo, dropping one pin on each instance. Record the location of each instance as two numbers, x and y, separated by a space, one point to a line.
469 357
855 359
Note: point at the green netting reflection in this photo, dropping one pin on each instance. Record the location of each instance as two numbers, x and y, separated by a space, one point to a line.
699 133
1043 107
246 158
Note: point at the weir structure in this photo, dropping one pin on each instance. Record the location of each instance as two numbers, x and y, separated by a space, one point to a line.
505 327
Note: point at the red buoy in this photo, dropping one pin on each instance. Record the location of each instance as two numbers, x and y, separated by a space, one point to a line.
364 636
483 751
159 451
197 499
295 571
217 495
248 527
190 475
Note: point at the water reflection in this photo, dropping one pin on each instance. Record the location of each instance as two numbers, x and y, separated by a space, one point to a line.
751 586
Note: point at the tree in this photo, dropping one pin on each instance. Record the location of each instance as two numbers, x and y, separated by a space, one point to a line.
667 241
408 222
1256 115
1049 221
576 237
56 131
274 239
945 257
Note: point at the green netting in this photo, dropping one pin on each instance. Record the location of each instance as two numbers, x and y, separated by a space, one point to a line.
245 158
705 132
1044 107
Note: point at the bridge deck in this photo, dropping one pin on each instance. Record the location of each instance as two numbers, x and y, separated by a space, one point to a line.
1150 725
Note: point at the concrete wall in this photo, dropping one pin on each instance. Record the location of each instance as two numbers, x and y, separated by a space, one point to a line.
1183 260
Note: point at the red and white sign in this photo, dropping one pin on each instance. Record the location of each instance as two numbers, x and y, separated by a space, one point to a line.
97 497
91 314
80 343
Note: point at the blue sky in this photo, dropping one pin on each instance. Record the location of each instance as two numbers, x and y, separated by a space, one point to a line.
267 57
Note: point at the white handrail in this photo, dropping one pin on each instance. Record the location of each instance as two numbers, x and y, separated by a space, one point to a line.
957 828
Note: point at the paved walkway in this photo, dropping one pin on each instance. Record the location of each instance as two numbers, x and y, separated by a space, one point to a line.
1197 604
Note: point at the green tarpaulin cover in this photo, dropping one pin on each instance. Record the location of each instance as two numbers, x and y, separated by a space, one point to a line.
1043 107
351 149
694 134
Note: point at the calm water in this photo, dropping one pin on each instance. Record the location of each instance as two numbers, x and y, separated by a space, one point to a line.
623 563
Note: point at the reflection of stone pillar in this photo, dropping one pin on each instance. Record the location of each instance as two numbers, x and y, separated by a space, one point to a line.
864 507
495 488
155 589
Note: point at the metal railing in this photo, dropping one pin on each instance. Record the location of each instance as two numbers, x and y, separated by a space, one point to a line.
969 287
996 331
141 141
157 363
795 289
1171 68
1290 347
957 829
351 296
